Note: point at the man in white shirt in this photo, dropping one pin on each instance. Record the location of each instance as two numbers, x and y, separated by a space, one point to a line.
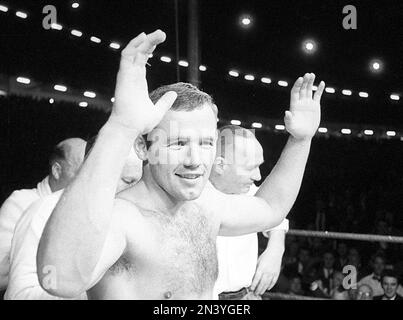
64 162
373 280
23 283
241 274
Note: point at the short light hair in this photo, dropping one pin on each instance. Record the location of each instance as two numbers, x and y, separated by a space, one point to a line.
189 97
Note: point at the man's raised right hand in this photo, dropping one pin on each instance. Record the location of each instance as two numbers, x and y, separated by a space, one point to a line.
133 110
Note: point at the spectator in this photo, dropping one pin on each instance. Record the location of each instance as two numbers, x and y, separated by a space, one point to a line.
64 162
325 273
373 280
390 283
337 291
342 258
364 292
296 286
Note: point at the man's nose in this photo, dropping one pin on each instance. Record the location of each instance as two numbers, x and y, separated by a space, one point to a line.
256 175
192 158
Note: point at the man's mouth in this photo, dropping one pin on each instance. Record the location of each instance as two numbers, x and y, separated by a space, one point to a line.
189 176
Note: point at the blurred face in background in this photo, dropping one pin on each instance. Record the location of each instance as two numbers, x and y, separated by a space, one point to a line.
328 260
364 292
379 265
389 285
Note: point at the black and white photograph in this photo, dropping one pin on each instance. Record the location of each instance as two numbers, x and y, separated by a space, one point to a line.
213 151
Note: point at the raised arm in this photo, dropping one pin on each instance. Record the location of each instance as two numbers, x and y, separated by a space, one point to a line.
281 187
278 192
75 236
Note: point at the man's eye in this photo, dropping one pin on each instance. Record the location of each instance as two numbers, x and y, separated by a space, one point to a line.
178 144
207 143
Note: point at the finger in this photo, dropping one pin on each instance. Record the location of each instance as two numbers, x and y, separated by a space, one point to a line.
261 288
131 48
288 116
296 89
148 46
318 93
302 92
271 284
310 85
166 101
255 281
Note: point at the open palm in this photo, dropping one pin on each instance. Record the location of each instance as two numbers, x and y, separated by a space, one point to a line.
303 118
133 108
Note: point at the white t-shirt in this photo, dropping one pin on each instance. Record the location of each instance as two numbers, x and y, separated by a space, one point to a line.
10 213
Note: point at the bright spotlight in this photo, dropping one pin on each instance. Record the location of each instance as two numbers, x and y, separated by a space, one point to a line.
236 122
246 21
233 73
376 66
309 46
75 5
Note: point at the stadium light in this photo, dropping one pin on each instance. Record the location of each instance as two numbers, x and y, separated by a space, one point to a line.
56 26
322 130
265 80
51 101
114 45
60 88
83 104
391 133
346 92
279 127
95 39
236 122
395 97
345 131
314 88
21 15
376 66
309 46
233 73
113 99
245 21
369 132
249 77
330 90
363 94
90 94
183 63
3 8
75 5
166 59
23 80
202 68
282 83
257 125
76 33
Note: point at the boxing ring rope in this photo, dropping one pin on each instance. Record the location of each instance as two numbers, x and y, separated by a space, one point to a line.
330 235
345 236
283 296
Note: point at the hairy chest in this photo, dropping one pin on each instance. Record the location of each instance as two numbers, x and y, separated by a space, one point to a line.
179 251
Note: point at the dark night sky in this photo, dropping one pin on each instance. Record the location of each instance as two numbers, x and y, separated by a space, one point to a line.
271 47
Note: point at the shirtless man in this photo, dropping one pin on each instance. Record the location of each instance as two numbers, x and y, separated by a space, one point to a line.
154 241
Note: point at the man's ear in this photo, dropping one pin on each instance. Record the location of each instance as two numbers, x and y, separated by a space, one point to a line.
56 170
219 165
140 147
